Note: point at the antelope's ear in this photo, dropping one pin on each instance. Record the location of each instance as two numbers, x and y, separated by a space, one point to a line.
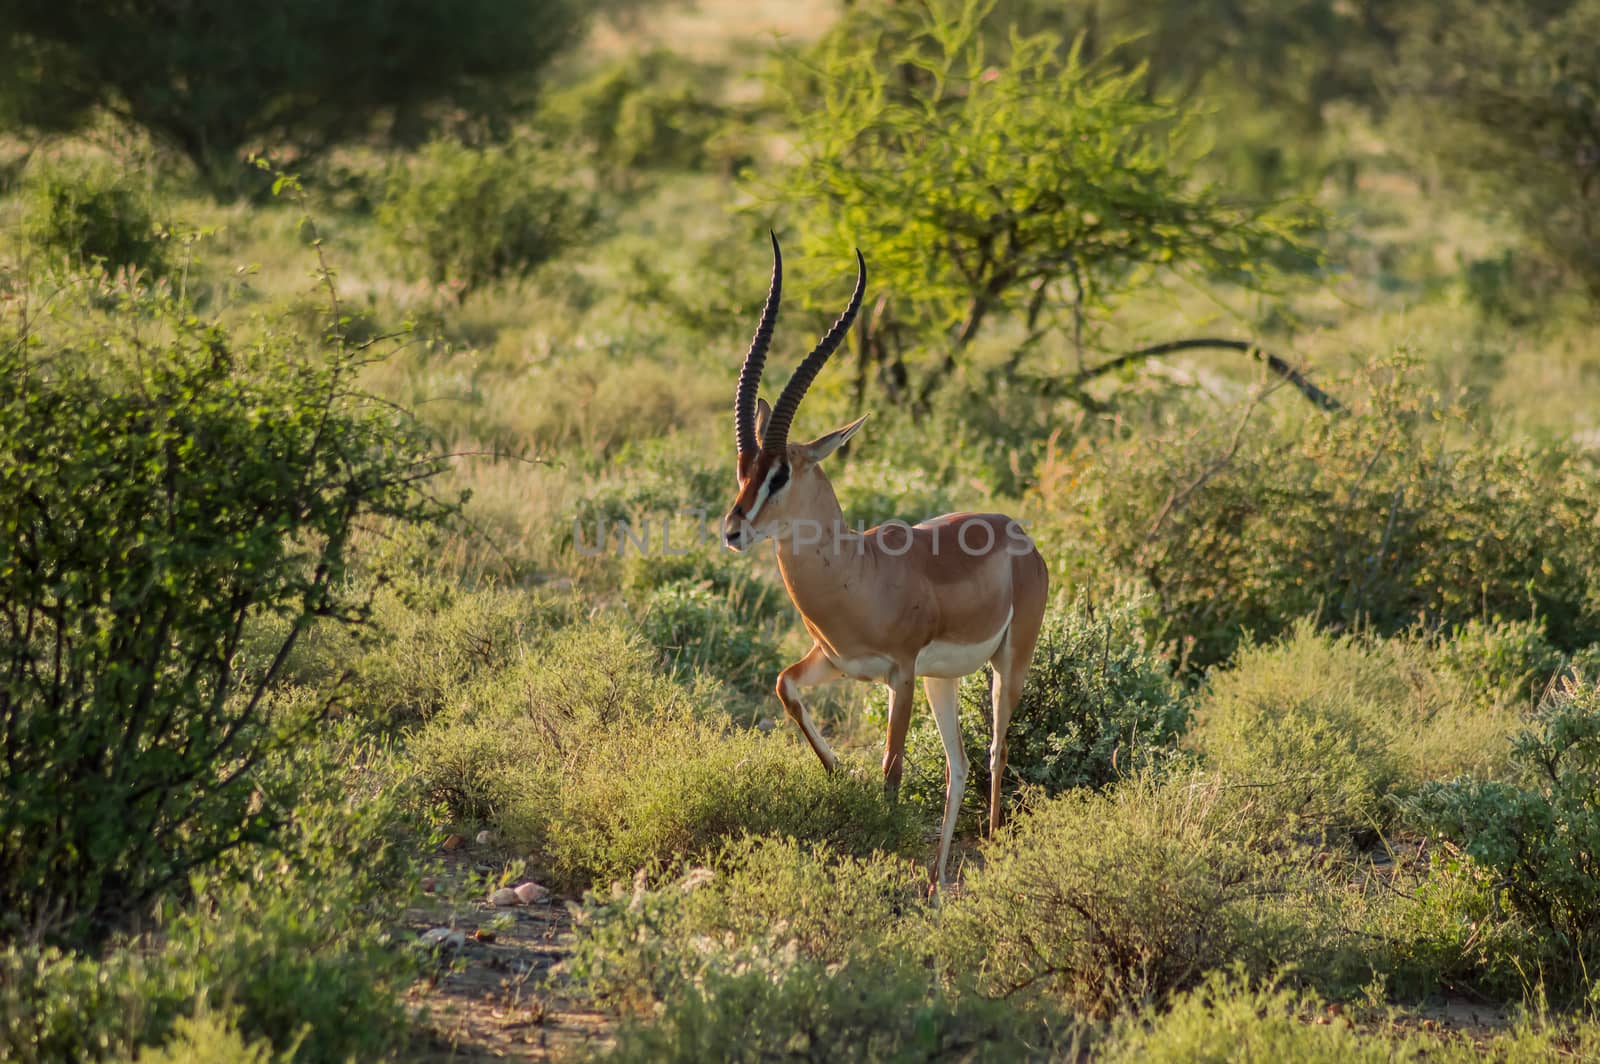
763 415
823 446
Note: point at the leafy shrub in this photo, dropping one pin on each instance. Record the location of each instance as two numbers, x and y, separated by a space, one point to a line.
1399 513
159 497
1097 705
1446 927
1230 1020
793 951
697 630
1329 729
589 756
648 111
752 598
772 897
210 1038
873 1007
1539 835
466 216
288 941
1509 661
1109 899
90 213
421 648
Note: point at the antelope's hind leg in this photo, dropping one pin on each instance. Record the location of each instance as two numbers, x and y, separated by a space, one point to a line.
944 697
1010 673
813 669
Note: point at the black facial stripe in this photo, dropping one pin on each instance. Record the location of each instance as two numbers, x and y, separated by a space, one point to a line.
780 477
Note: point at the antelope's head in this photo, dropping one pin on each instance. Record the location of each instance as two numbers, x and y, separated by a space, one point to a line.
779 481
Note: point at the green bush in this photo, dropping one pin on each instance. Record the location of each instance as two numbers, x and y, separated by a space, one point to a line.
1104 900
1329 730
648 111
292 941
1097 706
1537 835
210 1038
1402 512
1504 661
697 630
770 898
591 758
794 952
873 1007
1446 927
157 497
90 213
467 216
421 649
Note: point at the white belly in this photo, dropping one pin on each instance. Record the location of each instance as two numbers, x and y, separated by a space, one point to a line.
871 667
951 660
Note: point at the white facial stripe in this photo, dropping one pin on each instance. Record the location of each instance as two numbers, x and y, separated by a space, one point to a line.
761 495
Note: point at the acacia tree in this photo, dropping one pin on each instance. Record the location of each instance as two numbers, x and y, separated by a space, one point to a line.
214 79
1035 185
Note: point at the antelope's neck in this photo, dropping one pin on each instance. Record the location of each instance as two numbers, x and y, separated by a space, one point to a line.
821 559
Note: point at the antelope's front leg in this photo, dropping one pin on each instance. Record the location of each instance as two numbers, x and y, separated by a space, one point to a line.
902 692
809 671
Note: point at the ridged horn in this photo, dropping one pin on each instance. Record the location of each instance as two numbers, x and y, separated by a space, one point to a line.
744 400
777 437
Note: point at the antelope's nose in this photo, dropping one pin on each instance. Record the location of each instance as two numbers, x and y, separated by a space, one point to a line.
733 529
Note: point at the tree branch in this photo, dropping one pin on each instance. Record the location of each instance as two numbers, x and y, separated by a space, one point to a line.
1315 395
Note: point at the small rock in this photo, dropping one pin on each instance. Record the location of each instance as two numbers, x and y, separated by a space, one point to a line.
442 937
505 897
766 724
428 883
483 935
484 838
532 893
697 878
452 842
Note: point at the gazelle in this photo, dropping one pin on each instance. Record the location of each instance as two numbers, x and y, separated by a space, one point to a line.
895 602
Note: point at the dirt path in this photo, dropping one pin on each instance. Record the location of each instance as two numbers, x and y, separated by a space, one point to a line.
488 998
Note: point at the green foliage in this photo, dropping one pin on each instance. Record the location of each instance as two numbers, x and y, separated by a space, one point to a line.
287 942
1504 95
1448 927
210 1038
215 81
603 766
1229 1020
1510 661
698 630
879 1007
1105 900
1328 729
792 951
465 216
1402 512
644 112
1097 706
90 213
1030 182
1538 835
772 898
158 497
1223 1020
